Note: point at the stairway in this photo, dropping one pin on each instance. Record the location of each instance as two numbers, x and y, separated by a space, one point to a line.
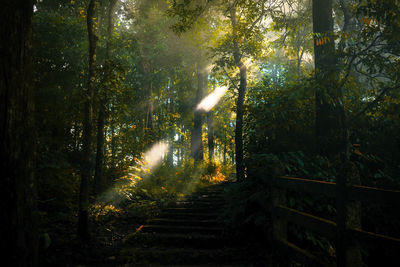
186 233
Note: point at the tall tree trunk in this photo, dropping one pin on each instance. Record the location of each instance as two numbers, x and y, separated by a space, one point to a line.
99 181
224 157
240 101
149 108
210 134
329 123
86 166
112 163
196 138
19 239
300 53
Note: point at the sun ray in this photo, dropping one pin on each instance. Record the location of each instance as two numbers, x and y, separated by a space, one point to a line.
212 99
155 154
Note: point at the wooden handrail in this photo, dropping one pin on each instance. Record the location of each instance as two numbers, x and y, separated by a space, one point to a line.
354 192
302 255
307 185
374 239
348 201
317 224
372 194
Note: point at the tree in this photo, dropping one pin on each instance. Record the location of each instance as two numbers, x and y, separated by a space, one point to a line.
296 22
17 139
197 133
99 182
86 165
330 116
210 134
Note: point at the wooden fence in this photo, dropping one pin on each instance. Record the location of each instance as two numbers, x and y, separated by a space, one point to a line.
346 231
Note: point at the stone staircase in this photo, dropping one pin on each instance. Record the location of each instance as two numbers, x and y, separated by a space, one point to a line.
187 233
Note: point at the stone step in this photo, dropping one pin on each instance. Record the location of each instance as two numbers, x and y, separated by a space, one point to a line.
187 215
153 228
184 222
209 193
173 240
205 199
185 210
198 204
181 256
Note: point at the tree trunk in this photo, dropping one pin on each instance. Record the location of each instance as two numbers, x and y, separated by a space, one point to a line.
19 239
329 123
196 138
112 163
224 152
86 166
240 101
149 108
239 122
210 135
99 181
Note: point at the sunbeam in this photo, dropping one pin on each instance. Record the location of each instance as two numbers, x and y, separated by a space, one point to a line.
155 154
212 99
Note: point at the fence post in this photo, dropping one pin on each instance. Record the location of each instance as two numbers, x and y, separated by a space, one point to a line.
348 217
279 225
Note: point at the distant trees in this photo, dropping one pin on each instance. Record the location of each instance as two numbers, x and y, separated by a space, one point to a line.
242 39
19 233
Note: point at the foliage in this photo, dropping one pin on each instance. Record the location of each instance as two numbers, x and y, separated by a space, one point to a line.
275 42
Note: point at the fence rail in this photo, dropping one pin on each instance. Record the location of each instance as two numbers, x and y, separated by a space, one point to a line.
346 231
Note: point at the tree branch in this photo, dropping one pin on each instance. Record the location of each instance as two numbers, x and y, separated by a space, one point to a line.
375 102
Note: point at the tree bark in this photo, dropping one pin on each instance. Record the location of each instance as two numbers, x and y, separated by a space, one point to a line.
86 166
224 157
240 101
196 138
19 236
149 111
210 134
99 181
329 123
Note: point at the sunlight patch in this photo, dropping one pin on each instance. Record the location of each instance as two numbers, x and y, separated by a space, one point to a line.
212 99
156 153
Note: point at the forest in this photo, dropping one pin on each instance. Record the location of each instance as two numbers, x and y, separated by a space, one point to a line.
200 132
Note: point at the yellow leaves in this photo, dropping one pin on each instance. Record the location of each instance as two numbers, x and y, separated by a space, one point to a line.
369 21
357 152
345 35
132 127
82 12
322 40
139 228
391 100
103 210
332 251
